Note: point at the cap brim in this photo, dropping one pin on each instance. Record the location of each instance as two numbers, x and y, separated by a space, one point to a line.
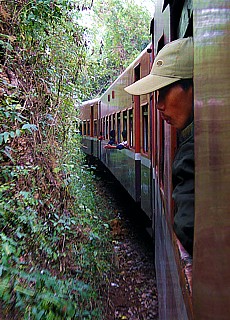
149 84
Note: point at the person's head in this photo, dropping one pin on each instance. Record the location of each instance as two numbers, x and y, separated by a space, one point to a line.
171 77
112 134
175 103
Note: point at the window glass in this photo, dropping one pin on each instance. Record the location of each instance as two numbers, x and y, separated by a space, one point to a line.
118 127
84 128
130 134
80 128
145 128
95 128
103 126
114 121
125 120
106 127
88 128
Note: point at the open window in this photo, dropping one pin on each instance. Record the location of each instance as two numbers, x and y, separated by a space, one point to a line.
125 121
113 121
88 128
107 127
145 128
95 128
118 127
103 127
130 126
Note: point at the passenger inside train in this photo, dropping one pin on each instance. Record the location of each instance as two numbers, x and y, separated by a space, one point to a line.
171 77
101 137
111 138
121 145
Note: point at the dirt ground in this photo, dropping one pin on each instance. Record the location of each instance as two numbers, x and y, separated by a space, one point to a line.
132 292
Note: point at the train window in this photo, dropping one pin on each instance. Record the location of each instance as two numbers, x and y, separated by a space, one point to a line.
110 123
137 72
113 121
88 128
125 120
137 75
130 130
118 127
95 128
145 128
84 128
161 43
107 127
103 126
80 128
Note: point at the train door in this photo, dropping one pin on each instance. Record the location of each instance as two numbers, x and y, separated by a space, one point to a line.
137 75
136 115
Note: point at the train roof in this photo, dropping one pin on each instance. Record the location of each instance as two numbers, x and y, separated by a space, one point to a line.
84 103
95 100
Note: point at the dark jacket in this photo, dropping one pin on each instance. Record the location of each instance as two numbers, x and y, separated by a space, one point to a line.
183 189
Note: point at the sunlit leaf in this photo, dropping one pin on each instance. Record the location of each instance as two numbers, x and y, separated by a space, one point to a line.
29 127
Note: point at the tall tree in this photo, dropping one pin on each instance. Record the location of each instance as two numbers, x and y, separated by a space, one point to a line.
116 33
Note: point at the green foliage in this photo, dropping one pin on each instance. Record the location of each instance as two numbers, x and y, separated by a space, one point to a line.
119 31
35 291
43 296
54 250
124 35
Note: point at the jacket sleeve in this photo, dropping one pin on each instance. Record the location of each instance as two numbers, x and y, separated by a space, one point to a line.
183 194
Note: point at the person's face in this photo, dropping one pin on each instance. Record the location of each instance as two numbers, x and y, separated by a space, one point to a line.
175 105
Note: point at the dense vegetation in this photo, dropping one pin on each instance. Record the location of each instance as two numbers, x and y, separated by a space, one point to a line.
117 31
54 248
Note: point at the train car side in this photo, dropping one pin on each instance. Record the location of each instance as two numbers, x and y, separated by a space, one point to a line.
173 263
89 127
145 172
120 112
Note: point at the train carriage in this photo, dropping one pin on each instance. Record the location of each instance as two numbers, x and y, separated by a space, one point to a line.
89 127
173 19
195 287
132 116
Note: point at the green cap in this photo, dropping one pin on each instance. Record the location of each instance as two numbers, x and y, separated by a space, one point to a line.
173 62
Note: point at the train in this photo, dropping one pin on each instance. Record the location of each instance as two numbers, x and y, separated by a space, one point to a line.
188 287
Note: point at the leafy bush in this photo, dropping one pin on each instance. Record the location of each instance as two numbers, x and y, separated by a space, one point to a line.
52 265
54 249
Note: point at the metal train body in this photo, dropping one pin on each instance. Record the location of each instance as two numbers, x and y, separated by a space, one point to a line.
187 289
